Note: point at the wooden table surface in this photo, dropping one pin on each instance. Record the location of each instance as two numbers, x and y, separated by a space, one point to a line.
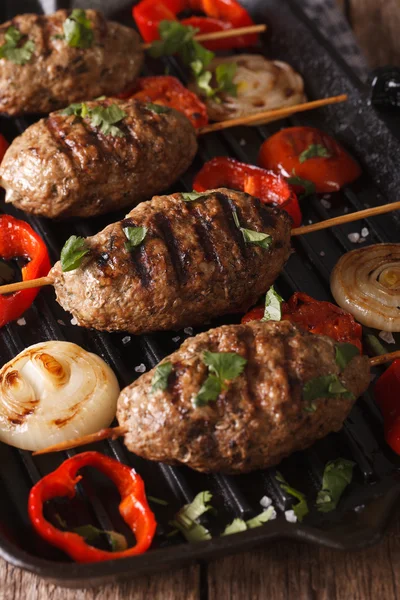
286 570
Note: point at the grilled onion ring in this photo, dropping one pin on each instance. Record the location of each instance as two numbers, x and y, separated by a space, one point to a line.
366 283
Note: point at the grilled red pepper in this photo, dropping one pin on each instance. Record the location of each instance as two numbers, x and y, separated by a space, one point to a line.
269 187
387 396
133 506
310 154
169 91
17 239
221 14
316 316
3 146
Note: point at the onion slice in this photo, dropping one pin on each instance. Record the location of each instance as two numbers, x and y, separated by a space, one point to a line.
52 392
366 283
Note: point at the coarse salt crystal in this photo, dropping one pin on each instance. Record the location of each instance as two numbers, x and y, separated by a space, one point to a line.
310 222
346 210
325 203
176 339
359 508
322 253
140 368
74 321
364 232
126 339
290 516
242 142
387 337
265 501
188 330
354 237
21 321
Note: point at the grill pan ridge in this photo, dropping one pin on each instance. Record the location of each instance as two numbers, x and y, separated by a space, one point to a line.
369 502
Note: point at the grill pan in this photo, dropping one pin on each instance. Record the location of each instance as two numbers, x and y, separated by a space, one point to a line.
369 501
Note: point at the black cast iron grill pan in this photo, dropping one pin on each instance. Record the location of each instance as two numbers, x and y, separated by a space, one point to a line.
369 502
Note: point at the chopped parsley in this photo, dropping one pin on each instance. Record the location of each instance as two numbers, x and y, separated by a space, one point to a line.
135 236
159 381
222 367
191 196
238 525
73 252
78 31
308 186
301 508
325 386
186 518
157 108
159 501
12 51
264 240
92 535
344 353
103 117
337 476
314 151
273 308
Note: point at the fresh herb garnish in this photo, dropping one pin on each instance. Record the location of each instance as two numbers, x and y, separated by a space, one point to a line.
135 236
325 386
344 353
185 519
92 535
10 50
73 251
104 117
191 196
157 108
273 308
238 525
264 240
314 151
78 32
222 367
159 501
308 186
178 39
337 476
301 508
160 377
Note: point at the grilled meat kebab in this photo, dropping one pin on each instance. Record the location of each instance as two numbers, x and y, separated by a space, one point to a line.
56 73
192 265
259 418
64 165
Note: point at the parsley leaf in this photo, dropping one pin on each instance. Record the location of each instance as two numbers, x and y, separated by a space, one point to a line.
199 506
301 508
157 108
173 36
308 186
224 74
159 501
222 367
10 50
185 519
159 381
273 309
191 196
344 354
314 151
92 535
337 476
325 386
238 525
72 253
264 240
135 236
78 32
103 117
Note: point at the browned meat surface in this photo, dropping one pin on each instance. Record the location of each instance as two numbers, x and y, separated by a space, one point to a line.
193 264
64 166
58 74
260 418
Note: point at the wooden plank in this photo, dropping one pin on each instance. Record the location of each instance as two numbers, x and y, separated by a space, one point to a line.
16 584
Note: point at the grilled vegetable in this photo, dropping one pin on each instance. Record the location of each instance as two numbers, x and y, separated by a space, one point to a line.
366 282
96 157
133 507
71 57
309 154
387 396
260 415
194 263
53 391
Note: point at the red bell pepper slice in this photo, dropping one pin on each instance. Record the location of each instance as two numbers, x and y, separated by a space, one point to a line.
311 154
148 15
169 91
210 25
269 187
387 396
133 506
17 238
316 316
3 146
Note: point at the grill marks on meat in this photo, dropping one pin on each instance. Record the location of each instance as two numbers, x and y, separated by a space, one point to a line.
259 419
188 269
64 166
57 74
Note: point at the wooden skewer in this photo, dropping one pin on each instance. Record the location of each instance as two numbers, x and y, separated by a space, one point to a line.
115 432
225 33
272 114
355 216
